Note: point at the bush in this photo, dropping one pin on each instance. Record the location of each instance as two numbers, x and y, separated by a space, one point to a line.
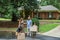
35 20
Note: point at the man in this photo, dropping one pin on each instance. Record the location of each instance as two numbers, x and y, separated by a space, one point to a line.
29 24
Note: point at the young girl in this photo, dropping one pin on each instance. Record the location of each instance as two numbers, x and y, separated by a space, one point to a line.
33 30
20 31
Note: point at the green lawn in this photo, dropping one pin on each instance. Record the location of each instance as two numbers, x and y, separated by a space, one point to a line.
51 20
47 27
3 19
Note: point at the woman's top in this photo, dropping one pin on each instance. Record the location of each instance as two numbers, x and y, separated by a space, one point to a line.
21 23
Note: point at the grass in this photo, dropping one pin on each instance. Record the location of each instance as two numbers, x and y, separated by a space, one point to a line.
8 29
3 19
51 20
47 27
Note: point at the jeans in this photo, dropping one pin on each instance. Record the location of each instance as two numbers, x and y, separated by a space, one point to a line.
29 33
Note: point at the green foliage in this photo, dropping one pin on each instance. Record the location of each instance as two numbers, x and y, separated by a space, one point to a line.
35 20
8 16
55 3
9 6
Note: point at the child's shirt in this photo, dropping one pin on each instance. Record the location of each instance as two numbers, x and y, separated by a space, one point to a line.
29 23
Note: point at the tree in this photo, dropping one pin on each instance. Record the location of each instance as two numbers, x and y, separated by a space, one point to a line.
55 3
9 6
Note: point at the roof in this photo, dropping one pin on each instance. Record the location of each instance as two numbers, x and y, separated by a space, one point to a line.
48 8
43 8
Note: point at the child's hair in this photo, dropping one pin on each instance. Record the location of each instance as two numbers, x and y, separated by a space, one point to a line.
34 23
19 29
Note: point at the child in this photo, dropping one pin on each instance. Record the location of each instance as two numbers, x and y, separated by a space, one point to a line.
33 29
20 34
29 24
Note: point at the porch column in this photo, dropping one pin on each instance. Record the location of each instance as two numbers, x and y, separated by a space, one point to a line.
32 14
37 14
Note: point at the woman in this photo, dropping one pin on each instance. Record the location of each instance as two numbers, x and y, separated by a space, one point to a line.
33 30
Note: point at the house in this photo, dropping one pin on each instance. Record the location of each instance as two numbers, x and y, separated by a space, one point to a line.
46 12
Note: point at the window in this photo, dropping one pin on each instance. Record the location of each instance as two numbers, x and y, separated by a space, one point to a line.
50 15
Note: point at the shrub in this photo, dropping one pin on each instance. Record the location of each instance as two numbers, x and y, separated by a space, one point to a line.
35 20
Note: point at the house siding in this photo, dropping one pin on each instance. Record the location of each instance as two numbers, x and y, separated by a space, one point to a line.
44 15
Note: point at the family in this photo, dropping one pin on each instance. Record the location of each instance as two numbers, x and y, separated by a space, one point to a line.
20 31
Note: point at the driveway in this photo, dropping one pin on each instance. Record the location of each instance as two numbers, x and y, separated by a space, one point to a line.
38 37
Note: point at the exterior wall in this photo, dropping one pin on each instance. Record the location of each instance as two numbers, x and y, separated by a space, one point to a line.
56 15
44 15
